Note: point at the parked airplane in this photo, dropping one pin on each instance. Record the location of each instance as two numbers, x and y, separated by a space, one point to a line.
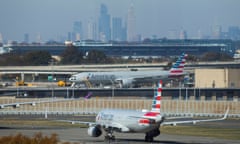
5 49
133 121
127 78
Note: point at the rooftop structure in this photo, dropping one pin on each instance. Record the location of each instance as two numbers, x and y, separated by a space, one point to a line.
156 48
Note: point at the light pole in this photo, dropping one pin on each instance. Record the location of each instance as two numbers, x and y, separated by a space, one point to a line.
186 100
112 91
112 88
73 92
67 93
17 84
50 78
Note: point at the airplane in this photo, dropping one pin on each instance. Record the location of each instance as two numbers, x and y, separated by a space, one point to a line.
127 78
135 121
5 49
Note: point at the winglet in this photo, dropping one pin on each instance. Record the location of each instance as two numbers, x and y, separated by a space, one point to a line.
225 115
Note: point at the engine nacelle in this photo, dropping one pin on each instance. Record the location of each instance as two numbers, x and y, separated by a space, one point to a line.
94 131
1 106
33 104
17 105
125 83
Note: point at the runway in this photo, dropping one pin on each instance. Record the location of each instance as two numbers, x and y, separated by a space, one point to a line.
79 135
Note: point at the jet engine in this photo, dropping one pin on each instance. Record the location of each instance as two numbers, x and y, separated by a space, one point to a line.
125 83
94 131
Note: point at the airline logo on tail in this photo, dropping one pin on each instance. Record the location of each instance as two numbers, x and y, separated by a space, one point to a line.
154 115
177 68
156 104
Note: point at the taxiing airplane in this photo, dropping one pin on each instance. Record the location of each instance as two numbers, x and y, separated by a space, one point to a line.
127 78
133 121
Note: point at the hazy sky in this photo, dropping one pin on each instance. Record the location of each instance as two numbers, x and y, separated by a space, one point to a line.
54 18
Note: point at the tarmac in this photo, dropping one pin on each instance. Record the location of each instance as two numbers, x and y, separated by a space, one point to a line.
79 135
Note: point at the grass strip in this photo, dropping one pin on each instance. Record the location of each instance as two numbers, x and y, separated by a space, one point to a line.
39 123
223 133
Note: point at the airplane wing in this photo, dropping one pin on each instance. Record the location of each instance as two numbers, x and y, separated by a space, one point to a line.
115 126
174 123
78 122
33 103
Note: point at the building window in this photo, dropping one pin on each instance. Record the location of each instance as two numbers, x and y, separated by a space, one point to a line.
219 96
208 96
197 94
230 96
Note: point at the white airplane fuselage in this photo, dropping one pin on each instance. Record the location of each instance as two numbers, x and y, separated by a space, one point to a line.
125 120
125 78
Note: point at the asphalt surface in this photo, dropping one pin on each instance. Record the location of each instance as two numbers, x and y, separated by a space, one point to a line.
79 135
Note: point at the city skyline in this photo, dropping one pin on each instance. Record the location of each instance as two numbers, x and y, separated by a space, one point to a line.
53 20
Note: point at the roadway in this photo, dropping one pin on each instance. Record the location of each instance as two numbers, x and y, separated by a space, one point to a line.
70 69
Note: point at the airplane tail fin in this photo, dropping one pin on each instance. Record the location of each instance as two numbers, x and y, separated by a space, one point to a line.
178 67
156 103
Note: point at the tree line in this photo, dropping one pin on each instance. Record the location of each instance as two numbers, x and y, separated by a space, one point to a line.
71 56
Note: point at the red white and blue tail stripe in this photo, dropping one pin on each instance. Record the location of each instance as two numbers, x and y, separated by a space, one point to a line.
156 103
177 68
153 116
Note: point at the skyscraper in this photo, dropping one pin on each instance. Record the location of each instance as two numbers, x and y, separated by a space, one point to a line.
77 30
216 32
234 32
183 34
199 34
39 38
26 38
131 24
117 29
104 24
91 30
1 39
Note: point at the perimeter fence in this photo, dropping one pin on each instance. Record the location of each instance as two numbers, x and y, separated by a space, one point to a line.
94 105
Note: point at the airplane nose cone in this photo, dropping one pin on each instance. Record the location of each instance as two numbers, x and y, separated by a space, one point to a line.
72 79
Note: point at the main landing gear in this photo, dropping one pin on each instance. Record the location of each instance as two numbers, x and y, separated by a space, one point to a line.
148 138
109 137
151 134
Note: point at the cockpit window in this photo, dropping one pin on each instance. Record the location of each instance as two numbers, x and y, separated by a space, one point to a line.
73 78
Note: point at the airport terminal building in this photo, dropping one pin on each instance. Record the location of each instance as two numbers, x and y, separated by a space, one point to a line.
217 78
157 48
